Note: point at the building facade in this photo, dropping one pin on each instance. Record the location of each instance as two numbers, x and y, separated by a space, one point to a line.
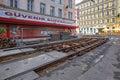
94 16
69 9
35 18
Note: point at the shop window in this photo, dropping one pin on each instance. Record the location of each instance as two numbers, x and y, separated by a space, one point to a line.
91 29
14 31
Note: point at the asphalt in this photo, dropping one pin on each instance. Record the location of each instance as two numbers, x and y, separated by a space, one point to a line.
102 63
108 68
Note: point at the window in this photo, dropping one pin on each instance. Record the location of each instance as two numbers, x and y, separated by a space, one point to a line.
108 20
98 7
95 22
100 0
30 5
60 13
70 3
14 3
97 1
107 13
98 14
102 21
102 6
42 8
86 4
113 12
98 21
60 1
90 3
52 11
69 15
113 3
102 14
113 19
107 5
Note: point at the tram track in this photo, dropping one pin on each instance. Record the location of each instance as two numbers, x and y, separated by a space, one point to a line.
43 49
56 64
66 49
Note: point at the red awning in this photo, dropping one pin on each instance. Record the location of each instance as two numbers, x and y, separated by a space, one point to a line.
32 23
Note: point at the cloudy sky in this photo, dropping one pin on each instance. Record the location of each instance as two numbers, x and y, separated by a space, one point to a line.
77 1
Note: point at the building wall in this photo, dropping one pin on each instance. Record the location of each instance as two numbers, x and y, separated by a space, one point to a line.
22 4
97 15
118 6
66 10
22 10
1 1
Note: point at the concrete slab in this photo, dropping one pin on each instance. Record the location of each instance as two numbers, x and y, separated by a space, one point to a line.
15 68
56 54
10 52
27 76
27 49
17 51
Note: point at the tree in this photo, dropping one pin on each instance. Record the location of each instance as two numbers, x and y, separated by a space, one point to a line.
92 0
118 15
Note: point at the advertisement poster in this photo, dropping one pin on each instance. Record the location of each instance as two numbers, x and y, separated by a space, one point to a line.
3 32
